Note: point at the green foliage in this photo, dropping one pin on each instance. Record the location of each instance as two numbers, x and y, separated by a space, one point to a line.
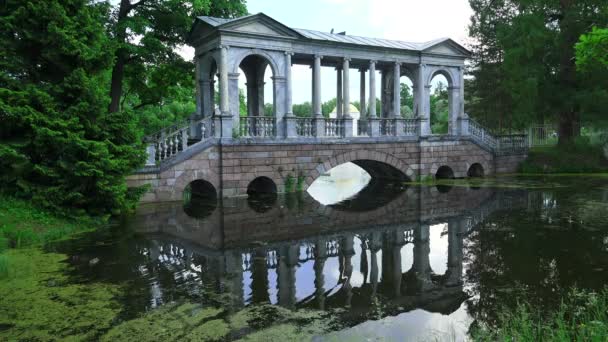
268 109
580 157
302 110
592 50
25 225
39 303
242 103
439 110
582 316
58 145
290 183
407 101
328 106
524 65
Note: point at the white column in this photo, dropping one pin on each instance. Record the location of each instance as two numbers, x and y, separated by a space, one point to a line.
372 89
362 104
224 81
346 87
316 87
396 112
423 101
288 85
339 92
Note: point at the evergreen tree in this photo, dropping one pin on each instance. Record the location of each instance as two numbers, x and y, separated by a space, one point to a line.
58 144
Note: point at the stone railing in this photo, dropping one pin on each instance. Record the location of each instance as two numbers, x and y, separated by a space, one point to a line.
305 127
257 127
410 127
482 135
174 139
363 128
388 127
334 127
512 143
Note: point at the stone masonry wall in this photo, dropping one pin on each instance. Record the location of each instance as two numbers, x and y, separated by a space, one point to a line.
242 163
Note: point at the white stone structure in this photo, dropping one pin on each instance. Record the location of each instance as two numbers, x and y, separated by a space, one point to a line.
253 42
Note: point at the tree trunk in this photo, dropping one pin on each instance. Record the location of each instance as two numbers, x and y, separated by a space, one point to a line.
120 57
569 117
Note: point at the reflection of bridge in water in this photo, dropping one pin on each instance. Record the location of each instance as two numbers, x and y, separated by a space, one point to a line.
299 253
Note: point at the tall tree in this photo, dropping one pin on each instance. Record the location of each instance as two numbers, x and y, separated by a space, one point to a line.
147 34
524 66
58 145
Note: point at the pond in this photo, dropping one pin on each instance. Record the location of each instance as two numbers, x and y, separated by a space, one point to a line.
394 261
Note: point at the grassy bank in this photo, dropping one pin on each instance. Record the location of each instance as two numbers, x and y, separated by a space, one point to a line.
582 316
24 225
580 157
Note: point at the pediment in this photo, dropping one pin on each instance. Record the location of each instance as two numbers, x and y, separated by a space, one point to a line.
448 47
261 24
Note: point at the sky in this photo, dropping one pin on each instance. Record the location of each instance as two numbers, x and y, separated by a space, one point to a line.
408 20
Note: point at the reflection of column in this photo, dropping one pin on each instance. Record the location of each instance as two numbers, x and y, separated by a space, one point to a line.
391 260
363 266
259 275
455 252
234 272
286 272
320 257
421 264
347 251
375 246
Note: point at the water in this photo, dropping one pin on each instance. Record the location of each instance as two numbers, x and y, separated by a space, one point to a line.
394 262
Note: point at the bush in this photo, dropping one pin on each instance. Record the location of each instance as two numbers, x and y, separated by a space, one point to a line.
583 156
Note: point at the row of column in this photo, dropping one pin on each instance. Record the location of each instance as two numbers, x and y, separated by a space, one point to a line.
391 275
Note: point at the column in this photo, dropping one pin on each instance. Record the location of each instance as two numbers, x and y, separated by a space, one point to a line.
251 97
316 87
279 86
224 123
233 99
363 110
224 81
259 278
455 252
290 120
346 87
316 97
423 101
339 105
288 85
372 89
396 113
200 94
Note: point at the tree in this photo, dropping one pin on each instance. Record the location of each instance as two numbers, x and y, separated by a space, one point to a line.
592 50
147 34
302 110
407 100
524 65
58 145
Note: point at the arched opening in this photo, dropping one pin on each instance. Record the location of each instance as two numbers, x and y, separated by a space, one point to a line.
256 96
358 185
262 194
407 97
200 198
440 102
475 171
444 172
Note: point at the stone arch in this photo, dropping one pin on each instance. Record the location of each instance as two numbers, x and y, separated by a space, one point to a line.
448 72
269 57
188 176
476 170
262 185
365 160
444 172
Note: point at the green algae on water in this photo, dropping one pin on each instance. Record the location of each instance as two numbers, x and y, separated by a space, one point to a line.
38 303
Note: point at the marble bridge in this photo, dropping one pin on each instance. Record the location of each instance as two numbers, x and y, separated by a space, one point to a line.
272 150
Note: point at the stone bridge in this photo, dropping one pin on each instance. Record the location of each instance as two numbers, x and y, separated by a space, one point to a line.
233 152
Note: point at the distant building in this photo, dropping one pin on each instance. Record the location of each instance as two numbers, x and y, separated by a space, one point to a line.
354 113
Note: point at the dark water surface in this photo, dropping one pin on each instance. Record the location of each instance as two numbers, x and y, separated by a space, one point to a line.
395 262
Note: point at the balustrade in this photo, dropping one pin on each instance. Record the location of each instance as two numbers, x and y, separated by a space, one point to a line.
387 127
257 127
334 127
363 128
305 127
